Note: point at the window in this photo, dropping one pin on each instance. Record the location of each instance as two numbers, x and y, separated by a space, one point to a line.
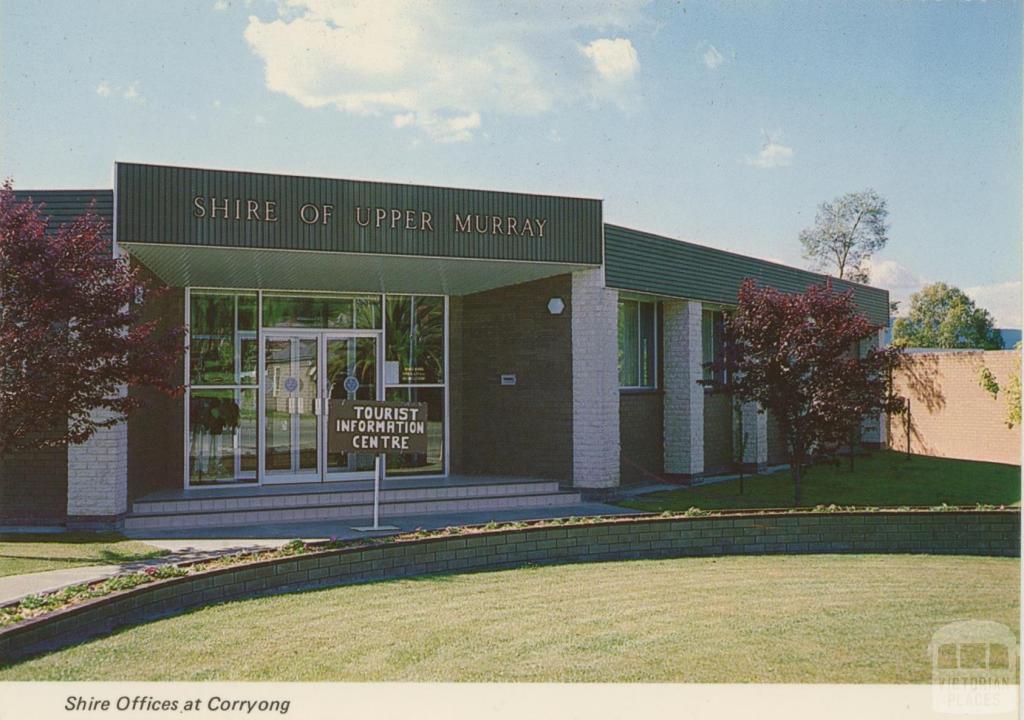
637 344
713 344
414 329
223 353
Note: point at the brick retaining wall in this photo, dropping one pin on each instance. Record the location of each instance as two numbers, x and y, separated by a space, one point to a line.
953 533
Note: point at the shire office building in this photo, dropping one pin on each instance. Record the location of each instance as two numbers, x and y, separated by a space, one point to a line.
557 355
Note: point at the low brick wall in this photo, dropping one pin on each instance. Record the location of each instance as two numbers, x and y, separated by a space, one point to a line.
952 533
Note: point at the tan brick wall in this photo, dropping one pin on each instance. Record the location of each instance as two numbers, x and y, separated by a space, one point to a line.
951 414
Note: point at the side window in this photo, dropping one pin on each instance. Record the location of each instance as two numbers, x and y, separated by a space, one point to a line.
638 342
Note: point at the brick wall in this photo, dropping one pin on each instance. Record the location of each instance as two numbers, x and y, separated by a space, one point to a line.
34 487
156 430
954 533
684 426
951 414
595 382
641 434
718 457
525 429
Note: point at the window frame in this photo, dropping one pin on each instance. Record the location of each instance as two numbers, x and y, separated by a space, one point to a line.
656 344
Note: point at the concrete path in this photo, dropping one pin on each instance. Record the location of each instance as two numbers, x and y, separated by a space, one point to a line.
15 587
344 529
197 544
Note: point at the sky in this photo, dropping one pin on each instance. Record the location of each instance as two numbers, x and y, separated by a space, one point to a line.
724 123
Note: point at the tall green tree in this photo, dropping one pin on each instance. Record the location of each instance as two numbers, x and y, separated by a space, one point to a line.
847 231
943 316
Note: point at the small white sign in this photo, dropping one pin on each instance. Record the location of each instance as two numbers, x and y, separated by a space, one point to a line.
508 380
391 372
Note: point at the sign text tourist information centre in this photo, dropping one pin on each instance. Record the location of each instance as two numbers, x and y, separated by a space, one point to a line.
367 426
215 208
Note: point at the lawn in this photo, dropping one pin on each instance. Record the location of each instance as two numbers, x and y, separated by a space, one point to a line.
881 478
22 553
813 618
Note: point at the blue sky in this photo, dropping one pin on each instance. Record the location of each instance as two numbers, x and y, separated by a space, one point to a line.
720 122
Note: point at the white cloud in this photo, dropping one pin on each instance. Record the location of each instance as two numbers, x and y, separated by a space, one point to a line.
441 69
129 92
897 278
1003 300
259 120
220 5
773 154
712 58
614 59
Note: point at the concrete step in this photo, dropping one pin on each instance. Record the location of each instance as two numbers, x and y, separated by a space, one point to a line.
225 518
361 494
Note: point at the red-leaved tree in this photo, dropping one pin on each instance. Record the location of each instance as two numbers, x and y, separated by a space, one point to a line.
71 330
796 355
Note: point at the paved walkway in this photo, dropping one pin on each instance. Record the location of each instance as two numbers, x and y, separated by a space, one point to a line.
197 544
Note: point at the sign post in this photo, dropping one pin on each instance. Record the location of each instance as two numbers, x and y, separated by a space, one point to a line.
380 428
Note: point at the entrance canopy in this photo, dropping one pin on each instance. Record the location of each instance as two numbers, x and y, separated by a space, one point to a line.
184 265
219 228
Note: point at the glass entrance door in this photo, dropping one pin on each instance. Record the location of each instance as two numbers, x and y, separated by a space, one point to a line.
291 387
303 371
350 373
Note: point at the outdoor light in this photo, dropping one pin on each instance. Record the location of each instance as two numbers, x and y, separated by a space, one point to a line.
556 306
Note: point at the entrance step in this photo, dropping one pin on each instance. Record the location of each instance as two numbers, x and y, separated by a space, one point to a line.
254 508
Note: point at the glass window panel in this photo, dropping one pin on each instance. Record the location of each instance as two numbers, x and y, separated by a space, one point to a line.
212 339
222 436
707 342
431 463
301 311
367 311
247 312
647 333
629 374
415 338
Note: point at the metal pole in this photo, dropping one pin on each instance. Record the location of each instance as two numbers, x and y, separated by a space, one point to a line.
377 465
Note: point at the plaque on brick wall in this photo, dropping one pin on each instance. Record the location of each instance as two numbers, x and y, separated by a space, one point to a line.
371 426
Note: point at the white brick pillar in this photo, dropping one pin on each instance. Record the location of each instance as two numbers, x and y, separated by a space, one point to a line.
684 398
872 430
98 478
595 382
754 432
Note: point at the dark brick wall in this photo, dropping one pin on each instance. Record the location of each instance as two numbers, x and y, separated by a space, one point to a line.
642 436
717 433
952 533
34 487
156 441
526 429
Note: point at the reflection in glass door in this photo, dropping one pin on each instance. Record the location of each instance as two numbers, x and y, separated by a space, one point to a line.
351 374
303 372
291 437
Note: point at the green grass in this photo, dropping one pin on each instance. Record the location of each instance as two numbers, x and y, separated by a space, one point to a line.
881 478
815 618
22 553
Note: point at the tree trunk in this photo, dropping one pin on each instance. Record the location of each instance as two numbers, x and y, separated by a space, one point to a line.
797 473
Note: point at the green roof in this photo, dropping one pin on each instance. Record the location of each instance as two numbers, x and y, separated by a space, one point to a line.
647 263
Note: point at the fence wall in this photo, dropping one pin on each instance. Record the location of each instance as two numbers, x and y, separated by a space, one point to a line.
951 414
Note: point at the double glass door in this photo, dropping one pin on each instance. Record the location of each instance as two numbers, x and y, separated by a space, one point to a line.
303 372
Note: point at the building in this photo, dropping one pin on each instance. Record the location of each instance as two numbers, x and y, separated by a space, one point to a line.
547 344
